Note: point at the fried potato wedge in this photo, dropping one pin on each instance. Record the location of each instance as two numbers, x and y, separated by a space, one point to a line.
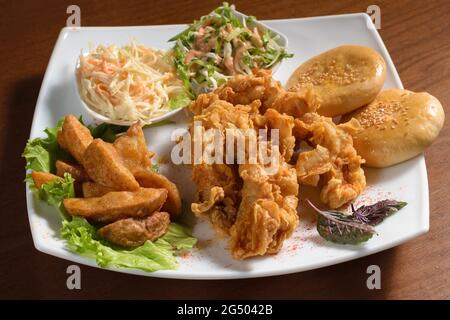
132 148
94 189
133 232
103 165
74 137
76 171
40 178
151 179
117 205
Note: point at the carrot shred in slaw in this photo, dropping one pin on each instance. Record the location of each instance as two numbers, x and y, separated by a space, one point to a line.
131 83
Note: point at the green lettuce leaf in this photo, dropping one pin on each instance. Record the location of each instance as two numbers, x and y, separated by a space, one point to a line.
82 238
54 192
179 237
180 101
41 153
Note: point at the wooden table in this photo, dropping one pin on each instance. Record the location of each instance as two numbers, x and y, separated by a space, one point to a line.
417 36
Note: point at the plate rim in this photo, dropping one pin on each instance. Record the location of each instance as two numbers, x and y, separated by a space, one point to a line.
173 274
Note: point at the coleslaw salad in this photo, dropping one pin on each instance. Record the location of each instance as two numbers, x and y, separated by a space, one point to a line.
130 83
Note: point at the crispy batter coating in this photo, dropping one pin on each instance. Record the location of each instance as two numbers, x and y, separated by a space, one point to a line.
133 232
257 209
268 211
132 149
74 137
117 205
217 194
243 89
105 166
151 179
285 124
76 171
334 160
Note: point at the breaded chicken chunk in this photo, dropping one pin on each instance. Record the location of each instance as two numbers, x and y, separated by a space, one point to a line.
268 211
217 194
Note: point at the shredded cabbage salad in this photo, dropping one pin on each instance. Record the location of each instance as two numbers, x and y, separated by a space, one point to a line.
219 45
130 83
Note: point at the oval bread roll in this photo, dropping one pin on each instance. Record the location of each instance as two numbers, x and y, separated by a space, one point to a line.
342 79
397 125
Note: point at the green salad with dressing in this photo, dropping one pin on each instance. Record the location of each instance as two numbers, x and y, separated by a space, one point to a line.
219 46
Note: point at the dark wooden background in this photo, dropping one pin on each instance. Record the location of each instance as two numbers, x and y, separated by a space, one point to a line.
417 35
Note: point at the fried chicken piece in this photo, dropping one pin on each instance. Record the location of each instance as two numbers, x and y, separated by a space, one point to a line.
245 89
217 194
76 171
40 178
133 232
132 148
117 205
268 211
311 164
150 179
335 160
103 164
74 137
285 124
220 114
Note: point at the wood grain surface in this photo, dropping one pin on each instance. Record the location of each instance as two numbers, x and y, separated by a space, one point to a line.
417 35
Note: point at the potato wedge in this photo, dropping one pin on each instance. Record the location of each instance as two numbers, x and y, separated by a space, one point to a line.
134 232
151 179
40 178
94 189
76 171
132 148
117 205
103 165
74 137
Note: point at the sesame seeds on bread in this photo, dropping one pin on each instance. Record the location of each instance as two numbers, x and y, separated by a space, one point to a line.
397 125
341 79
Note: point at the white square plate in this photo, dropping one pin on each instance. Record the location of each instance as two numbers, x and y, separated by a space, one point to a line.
305 250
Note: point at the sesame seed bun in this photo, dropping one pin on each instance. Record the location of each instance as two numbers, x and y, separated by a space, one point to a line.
397 125
342 79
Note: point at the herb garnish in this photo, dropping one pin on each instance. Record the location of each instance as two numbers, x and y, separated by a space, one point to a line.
338 227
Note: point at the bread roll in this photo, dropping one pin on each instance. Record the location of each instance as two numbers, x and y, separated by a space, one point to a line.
342 79
397 125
